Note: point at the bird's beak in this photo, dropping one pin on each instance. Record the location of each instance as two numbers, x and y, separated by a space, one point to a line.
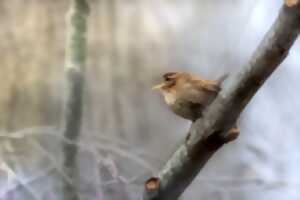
158 87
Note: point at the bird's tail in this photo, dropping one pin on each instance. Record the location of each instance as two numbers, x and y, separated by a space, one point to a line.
222 78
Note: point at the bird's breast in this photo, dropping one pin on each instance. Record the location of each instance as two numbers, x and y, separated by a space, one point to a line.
170 98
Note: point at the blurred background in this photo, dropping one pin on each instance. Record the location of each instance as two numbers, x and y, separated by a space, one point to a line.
128 133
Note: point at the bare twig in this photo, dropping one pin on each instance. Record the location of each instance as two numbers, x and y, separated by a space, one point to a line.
20 183
209 133
54 161
74 70
91 145
12 176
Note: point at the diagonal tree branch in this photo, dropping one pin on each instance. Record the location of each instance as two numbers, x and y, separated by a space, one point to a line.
74 71
209 133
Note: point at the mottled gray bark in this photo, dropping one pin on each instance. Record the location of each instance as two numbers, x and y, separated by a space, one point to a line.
209 133
74 72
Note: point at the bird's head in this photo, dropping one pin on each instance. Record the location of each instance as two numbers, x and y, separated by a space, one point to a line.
170 80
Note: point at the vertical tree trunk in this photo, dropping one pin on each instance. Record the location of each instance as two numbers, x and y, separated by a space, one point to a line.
74 71
115 67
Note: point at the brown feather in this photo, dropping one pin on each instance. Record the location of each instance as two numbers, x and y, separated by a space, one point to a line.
187 95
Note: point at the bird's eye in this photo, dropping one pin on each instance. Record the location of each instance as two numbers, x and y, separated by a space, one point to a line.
170 82
169 76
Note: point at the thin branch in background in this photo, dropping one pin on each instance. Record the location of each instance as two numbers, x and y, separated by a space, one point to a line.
74 71
53 161
95 142
14 176
209 133
26 183
91 145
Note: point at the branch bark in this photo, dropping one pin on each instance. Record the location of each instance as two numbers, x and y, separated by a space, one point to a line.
209 133
74 72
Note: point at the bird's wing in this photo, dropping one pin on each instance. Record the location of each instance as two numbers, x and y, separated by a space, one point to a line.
209 86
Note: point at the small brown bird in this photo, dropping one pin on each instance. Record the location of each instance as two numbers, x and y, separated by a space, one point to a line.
187 95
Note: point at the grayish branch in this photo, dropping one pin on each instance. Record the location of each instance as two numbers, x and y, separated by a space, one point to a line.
209 133
74 72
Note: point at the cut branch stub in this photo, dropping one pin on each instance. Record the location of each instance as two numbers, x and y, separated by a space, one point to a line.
291 3
152 187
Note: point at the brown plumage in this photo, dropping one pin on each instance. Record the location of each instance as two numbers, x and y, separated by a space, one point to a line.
187 95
